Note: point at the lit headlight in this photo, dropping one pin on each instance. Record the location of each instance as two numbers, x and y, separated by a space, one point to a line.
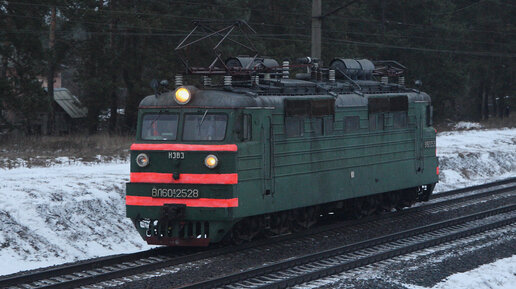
183 95
142 160
211 161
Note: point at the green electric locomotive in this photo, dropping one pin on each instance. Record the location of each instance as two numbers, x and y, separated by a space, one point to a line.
255 149
273 153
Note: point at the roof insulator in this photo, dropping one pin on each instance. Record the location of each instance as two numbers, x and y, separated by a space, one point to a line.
331 75
286 71
228 79
179 80
384 79
206 80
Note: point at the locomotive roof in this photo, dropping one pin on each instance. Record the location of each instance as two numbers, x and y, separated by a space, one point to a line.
242 97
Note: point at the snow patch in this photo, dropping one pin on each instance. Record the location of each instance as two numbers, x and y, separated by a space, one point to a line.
63 214
497 275
475 157
465 125
45 161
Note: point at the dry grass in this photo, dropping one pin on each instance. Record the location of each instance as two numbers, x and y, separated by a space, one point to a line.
44 150
496 122
491 123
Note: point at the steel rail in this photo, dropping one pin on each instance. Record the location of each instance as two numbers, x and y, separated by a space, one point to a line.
28 277
476 187
280 279
42 277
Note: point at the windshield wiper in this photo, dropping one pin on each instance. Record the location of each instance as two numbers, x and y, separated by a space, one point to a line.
202 119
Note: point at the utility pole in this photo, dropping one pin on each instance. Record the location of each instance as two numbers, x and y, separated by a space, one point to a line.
317 18
316 28
114 100
51 70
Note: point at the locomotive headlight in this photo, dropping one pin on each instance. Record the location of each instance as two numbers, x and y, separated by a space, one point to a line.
183 95
142 160
211 161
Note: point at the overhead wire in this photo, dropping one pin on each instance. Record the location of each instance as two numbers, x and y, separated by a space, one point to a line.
388 21
462 8
204 4
287 26
108 11
300 36
422 49
359 43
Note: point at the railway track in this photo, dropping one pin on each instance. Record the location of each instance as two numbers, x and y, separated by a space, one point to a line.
109 268
322 264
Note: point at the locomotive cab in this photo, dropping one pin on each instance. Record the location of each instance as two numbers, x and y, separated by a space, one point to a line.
184 157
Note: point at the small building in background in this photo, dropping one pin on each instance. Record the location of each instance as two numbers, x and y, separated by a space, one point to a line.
69 114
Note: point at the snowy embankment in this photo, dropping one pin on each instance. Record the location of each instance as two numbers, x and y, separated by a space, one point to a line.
66 213
62 214
475 156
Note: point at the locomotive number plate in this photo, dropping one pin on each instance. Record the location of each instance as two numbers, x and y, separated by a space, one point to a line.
429 143
175 193
176 155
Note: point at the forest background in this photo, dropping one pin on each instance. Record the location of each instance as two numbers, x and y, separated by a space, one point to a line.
463 51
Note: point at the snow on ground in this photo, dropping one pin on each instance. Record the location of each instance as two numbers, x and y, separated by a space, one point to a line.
500 274
463 125
475 156
72 211
62 214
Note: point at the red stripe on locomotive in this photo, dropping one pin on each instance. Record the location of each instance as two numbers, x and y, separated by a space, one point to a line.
212 179
183 147
202 202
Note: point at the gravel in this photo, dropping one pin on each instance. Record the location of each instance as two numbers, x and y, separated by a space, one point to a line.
428 267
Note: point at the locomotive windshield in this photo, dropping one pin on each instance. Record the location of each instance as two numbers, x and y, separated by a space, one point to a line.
159 126
197 127
205 127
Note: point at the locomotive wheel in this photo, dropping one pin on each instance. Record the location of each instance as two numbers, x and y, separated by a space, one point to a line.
280 223
356 208
390 201
245 230
256 225
307 217
407 198
370 205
